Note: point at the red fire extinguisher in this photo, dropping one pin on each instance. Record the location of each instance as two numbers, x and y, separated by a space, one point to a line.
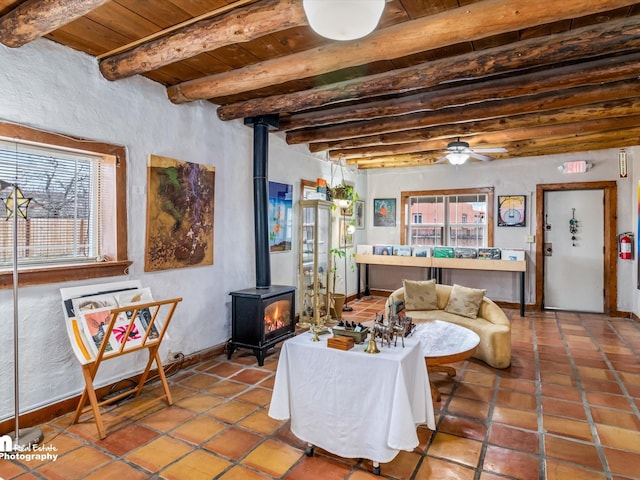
625 245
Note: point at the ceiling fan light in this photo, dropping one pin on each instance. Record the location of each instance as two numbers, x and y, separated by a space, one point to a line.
457 158
343 19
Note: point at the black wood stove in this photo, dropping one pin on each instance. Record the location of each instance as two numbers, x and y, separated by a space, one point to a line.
264 315
261 318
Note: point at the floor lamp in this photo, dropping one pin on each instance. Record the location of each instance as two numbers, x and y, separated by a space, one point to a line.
16 206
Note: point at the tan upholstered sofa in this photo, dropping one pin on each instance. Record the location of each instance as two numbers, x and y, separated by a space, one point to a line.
491 324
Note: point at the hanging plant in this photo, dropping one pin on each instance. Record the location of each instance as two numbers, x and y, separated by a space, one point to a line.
343 191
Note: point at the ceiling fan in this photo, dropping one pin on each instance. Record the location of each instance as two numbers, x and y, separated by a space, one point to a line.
459 152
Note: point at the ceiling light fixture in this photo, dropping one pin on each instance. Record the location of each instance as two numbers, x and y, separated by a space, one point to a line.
457 158
343 19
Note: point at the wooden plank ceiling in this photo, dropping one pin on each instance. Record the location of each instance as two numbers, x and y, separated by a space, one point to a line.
532 77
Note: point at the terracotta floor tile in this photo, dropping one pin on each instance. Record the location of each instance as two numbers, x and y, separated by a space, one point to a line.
580 453
401 467
258 396
242 473
273 458
562 471
562 392
601 386
516 418
567 427
619 438
75 464
199 403
511 463
615 418
463 427
260 422
479 378
596 373
517 400
232 411
227 388
285 435
520 385
117 470
450 447
126 439
198 429
618 402
623 463
319 468
198 465
561 408
474 392
225 369
437 469
167 418
200 381
558 379
158 454
251 376
515 438
469 408
233 443
9 469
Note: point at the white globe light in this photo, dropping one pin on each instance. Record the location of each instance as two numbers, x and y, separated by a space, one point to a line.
457 158
343 19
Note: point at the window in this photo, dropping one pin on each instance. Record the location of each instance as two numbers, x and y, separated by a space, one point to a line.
76 224
457 218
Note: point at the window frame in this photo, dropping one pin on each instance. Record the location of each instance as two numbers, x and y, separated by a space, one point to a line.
405 215
117 240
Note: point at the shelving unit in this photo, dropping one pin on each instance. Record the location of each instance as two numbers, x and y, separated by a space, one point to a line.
315 242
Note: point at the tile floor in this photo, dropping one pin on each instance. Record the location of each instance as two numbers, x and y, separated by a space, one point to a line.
567 408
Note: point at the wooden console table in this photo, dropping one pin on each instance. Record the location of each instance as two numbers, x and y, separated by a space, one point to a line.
435 266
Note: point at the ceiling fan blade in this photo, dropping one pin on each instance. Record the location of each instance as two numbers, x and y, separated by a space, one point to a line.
484 158
490 150
441 159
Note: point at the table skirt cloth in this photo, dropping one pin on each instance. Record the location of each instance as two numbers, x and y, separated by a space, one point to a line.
351 403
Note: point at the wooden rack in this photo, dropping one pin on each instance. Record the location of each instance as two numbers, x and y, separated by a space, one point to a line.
150 342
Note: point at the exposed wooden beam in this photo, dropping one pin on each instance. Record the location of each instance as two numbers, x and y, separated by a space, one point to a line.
497 138
532 148
583 43
485 110
588 73
572 114
239 25
35 18
471 22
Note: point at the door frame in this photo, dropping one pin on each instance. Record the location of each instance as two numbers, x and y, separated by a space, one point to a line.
610 267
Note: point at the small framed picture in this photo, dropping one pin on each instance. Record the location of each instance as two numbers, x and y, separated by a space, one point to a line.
384 212
359 214
512 210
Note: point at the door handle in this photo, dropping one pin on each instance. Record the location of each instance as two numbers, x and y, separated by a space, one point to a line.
548 249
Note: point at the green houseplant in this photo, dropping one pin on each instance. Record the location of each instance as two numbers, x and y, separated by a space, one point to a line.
344 192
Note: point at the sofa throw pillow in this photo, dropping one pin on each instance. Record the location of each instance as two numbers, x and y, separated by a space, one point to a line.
464 301
420 295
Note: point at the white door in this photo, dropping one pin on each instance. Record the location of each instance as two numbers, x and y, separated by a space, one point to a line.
574 262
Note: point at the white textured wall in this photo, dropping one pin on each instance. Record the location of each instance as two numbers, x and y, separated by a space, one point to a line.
510 177
47 86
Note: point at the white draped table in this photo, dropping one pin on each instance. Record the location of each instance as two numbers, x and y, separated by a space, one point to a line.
351 403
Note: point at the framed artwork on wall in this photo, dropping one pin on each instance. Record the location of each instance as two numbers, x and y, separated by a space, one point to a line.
179 214
384 212
512 210
359 214
280 216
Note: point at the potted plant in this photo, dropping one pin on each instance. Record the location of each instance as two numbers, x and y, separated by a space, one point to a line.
343 195
337 300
